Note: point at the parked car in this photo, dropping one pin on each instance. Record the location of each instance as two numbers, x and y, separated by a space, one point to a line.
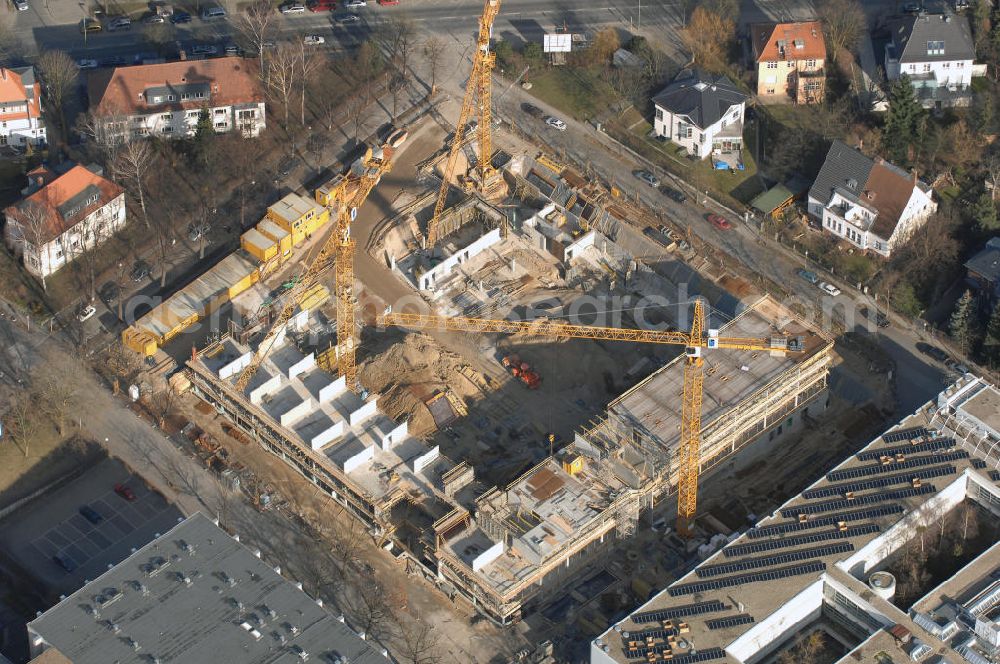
21 5
354 4
932 351
204 49
674 194
532 110
114 61
808 276
90 25
140 270
119 23
125 492
346 18
65 562
90 514
232 49
912 8
209 13
292 8
86 63
180 17
956 366
961 5
388 2
555 123
648 178
719 222
85 312
397 138
313 40
829 289
321 6
109 292
153 19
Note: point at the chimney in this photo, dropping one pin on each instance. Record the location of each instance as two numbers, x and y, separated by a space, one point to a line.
3 73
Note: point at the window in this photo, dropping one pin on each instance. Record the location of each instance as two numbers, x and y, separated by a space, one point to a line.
193 114
878 244
220 111
960 65
946 65
927 67
772 65
170 97
659 114
167 117
157 100
167 130
221 125
935 48
811 64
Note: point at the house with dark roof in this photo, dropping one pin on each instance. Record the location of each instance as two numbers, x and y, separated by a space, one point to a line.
983 272
702 113
870 203
64 214
21 107
168 99
789 59
936 52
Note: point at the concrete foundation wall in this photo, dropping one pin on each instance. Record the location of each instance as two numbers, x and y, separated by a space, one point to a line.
363 413
328 436
426 459
444 268
333 390
296 412
359 459
395 436
236 366
303 365
270 385
487 556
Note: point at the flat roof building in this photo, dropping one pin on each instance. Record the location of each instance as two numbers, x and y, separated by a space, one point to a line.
824 554
195 595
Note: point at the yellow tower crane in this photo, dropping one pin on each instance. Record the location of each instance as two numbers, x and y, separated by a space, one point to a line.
698 339
478 92
339 248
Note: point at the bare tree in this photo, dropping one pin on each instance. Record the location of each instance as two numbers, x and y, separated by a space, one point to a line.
970 521
433 54
371 610
134 160
81 245
32 225
309 63
161 405
59 72
57 398
418 644
106 131
255 26
282 76
843 23
23 417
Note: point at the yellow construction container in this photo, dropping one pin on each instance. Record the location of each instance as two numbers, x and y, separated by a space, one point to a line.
271 230
259 245
328 192
573 464
299 216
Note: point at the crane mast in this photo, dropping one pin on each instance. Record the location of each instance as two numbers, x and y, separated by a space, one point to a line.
339 249
478 90
697 339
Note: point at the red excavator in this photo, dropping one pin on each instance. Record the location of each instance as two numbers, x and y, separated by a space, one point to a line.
522 371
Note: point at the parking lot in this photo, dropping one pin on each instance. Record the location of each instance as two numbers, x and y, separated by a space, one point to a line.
53 526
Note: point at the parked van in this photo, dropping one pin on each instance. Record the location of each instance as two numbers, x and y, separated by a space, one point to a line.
212 12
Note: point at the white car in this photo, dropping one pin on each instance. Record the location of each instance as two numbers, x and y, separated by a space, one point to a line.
86 63
313 40
22 5
353 4
829 289
555 123
85 312
292 8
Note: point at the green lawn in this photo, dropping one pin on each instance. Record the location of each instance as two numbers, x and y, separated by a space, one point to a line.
579 92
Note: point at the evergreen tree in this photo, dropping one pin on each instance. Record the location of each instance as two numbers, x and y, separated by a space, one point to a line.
982 117
984 213
991 345
204 137
904 123
962 324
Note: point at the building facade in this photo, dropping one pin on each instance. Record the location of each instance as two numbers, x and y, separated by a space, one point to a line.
702 113
870 203
169 99
789 58
21 120
62 216
936 52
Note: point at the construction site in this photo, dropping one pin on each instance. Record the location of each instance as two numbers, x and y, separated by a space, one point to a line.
494 370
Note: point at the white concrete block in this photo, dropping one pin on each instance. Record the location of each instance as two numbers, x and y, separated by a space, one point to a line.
395 436
328 436
303 365
363 413
236 366
296 412
359 459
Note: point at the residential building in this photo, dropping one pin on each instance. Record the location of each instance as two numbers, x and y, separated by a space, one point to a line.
983 272
821 562
64 213
198 596
702 113
872 204
935 51
168 99
21 120
789 59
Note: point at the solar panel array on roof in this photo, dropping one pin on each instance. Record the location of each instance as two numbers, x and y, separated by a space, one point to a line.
770 545
929 446
678 611
792 526
878 468
831 505
879 482
729 621
706 655
740 579
905 434
705 571
978 463
644 634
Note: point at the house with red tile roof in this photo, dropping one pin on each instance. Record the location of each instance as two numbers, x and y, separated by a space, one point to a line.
789 59
21 120
64 213
167 99
872 204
